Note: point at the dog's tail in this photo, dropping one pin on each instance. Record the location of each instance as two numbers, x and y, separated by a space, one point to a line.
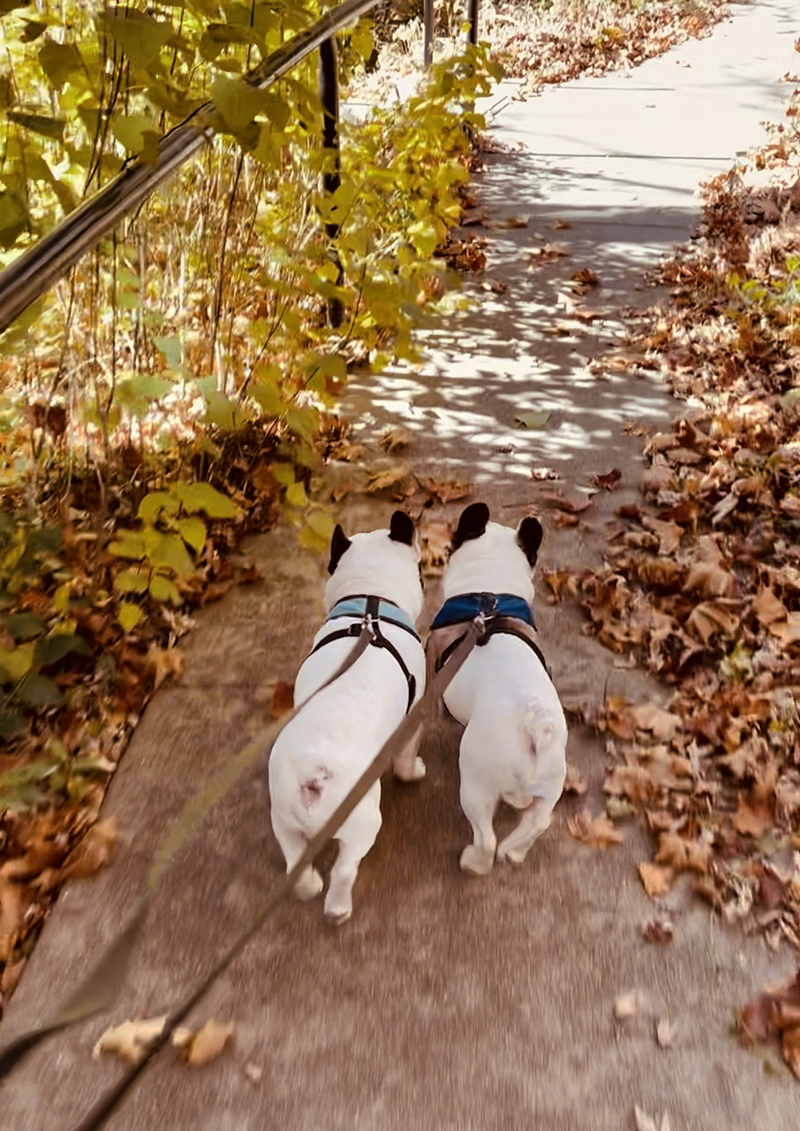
313 786
547 730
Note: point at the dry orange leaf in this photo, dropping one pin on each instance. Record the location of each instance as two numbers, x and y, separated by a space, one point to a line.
769 608
597 832
575 782
129 1041
446 492
752 820
657 880
93 852
12 911
163 663
208 1043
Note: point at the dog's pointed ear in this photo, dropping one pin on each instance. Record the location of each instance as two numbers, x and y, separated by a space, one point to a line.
472 524
339 543
529 538
401 528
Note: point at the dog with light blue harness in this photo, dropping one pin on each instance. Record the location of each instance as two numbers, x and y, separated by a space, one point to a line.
320 754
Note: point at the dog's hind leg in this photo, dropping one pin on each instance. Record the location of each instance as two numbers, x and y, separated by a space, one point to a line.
478 857
293 844
356 837
407 766
533 822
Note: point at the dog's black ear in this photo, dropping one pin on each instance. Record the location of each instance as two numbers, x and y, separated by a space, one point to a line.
401 528
339 543
529 538
472 524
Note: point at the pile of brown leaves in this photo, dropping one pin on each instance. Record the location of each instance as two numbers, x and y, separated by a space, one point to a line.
567 38
702 580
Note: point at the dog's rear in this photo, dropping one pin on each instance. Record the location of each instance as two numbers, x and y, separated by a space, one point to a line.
514 745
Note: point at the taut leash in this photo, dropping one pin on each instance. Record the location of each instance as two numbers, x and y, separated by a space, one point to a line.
98 992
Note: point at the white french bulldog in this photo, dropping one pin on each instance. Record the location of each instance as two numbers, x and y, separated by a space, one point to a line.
323 751
513 748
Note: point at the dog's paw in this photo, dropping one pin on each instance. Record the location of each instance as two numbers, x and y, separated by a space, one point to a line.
413 772
476 861
337 915
510 855
309 884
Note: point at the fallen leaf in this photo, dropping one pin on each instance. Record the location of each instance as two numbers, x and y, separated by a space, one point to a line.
712 617
665 1032
445 492
557 225
645 1122
532 419
129 1041
208 1043
683 855
752 820
575 782
597 832
93 851
627 1005
282 699
380 478
543 474
571 506
657 880
768 608
12 911
586 277
662 724
395 439
609 481
163 663
658 931
788 631
547 253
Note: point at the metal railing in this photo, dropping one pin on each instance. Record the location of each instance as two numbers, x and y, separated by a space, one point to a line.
41 266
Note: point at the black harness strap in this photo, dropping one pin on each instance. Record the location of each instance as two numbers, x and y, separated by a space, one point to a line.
378 640
495 626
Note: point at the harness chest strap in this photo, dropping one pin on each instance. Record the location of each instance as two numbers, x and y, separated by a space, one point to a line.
372 611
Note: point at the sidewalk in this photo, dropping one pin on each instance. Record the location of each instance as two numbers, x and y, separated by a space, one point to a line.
448 1004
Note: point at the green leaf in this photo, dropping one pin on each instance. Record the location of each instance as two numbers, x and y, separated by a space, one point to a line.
51 649
532 419
16 662
171 552
153 504
130 130
162 589
128 544
220 410
31 30
13 217
39 123
204 497
322 525
424 235
129 615
172 349
237 102
59 61
11 725
193 531
23 626
132 580
139 35
38 691
296 495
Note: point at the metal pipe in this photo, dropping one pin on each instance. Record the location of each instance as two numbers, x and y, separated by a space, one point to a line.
472 9
331 180
38 268
429 11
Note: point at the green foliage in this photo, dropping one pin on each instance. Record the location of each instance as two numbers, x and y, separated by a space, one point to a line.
167 546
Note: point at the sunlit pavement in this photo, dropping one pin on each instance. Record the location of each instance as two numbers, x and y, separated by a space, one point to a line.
447 1003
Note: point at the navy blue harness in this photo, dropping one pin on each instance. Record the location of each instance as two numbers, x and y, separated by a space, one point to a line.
498 612
373 610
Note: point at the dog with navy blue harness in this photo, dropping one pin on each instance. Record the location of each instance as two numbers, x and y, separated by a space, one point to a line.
513 748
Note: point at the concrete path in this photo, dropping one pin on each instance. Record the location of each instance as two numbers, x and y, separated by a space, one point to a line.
447 1003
